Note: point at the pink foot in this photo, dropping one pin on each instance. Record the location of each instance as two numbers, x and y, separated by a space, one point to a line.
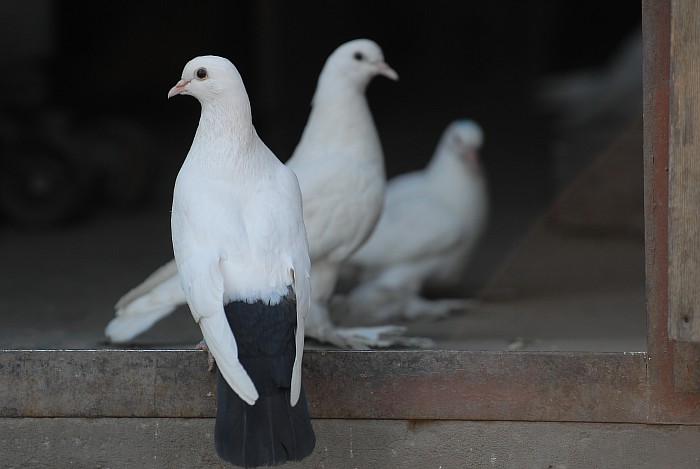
210 358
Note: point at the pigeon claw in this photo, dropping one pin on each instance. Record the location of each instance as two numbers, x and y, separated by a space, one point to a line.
210 358
363 338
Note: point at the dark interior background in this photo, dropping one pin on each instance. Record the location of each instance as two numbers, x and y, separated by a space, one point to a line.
475 59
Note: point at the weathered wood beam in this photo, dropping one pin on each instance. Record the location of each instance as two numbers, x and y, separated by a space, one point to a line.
684 173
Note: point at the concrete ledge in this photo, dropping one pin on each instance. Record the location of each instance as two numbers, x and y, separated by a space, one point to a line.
415 385
111 443
105 383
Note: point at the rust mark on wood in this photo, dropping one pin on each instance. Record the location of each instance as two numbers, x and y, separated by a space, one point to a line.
446 385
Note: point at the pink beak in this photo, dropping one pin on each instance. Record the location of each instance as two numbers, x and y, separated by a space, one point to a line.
387 71
178 88
471 156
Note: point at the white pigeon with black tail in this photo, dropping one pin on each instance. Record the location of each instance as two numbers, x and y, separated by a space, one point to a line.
430 225
242 255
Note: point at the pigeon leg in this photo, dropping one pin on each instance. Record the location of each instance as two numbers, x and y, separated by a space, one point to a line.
364 338
361 338
417 307
210 358
373 305
320 327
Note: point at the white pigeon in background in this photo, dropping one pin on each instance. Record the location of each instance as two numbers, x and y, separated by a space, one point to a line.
242 256
431 222
340 167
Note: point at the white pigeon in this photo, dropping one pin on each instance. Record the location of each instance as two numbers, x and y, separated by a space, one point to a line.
242 255
431 222
340 166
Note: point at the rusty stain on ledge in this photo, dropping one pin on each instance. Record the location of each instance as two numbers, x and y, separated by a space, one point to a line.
413 385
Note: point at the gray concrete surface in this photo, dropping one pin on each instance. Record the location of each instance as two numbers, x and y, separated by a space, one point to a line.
341 444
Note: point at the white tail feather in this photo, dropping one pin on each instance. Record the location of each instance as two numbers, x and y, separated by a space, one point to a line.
222 345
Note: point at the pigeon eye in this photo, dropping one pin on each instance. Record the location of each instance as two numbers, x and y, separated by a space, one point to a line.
201 73
359 57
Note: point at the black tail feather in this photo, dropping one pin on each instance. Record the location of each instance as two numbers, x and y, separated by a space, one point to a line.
270 432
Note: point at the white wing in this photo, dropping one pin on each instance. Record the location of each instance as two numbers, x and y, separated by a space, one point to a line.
163 274
142 306
300 270
340 205
302 289
203 284
412 225
199 264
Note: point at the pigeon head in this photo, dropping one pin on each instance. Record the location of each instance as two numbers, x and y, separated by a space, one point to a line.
354 64
463 139
208 77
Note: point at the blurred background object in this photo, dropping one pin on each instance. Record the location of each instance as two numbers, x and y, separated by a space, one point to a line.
591 107
55 156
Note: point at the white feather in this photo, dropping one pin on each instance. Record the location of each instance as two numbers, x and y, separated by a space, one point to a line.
145 304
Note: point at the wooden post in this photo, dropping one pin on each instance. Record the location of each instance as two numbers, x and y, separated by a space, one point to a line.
684 173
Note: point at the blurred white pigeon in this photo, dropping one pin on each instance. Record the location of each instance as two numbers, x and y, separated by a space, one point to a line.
340 167
242 256
431 222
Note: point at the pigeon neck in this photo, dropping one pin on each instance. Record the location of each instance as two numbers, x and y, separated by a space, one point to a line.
454 183
342 125
332 89
225 137
334 109
226 117
339 107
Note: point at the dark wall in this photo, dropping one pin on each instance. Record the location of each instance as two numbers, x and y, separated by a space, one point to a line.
455 59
